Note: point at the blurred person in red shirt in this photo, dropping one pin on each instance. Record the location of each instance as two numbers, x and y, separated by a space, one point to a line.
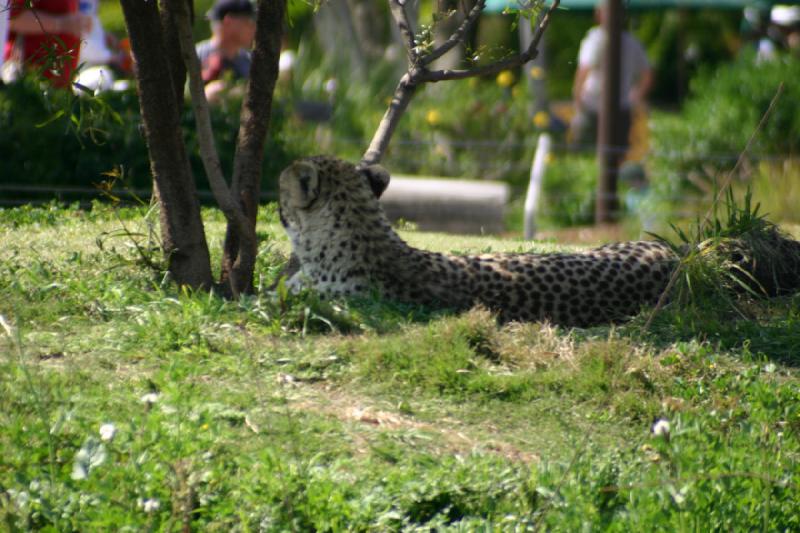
4 9
46 34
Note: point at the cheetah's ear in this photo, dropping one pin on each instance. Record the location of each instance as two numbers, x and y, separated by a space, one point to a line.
300 182
378 178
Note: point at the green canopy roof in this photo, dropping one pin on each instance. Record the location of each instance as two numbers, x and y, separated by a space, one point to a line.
498 6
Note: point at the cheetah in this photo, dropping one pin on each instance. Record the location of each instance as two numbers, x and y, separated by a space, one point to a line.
345 246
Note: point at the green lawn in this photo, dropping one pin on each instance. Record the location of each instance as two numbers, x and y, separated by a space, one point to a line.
280 413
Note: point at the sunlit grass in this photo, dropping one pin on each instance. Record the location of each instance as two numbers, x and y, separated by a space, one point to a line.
289 413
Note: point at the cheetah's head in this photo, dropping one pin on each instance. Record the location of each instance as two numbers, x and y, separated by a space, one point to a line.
317 193
313 186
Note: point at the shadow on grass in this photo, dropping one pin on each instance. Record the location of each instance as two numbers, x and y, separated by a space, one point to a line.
769 329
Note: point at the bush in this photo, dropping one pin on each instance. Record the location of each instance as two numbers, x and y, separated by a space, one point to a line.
724 109
55 139
569 191
680 43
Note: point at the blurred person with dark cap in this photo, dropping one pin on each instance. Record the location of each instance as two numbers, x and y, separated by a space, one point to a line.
225 57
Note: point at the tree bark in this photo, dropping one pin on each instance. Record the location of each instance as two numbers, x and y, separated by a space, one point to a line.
180 15
369 26
182 233
239 254
452 17
336 30
609 154
391 118
172 43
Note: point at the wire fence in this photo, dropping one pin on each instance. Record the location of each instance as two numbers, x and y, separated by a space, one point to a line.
585 149
491 154
21 194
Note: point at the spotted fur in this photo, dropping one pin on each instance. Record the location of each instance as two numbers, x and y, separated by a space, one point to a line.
345 245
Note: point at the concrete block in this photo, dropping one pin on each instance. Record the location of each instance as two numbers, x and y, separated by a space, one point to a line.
449 205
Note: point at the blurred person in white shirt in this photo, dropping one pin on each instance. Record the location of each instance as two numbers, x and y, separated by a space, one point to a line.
636 79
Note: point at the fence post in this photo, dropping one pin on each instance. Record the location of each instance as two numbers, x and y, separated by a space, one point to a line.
535 185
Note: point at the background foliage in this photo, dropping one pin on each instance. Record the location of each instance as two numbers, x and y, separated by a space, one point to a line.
54 138
480 128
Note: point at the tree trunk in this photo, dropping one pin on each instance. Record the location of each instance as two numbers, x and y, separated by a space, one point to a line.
336 30
444 29
608 137
173 47
182 233
239 255
369 23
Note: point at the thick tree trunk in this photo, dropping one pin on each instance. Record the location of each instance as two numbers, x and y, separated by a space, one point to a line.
172 43
239 255
336 30
445 28
182 233
369 24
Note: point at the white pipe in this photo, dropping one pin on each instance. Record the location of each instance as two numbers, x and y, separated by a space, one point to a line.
535 186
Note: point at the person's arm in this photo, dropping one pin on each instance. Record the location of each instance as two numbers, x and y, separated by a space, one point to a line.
641 65
577 85
35 22
642 87
588 59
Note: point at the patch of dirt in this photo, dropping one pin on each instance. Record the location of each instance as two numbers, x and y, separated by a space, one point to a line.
452 436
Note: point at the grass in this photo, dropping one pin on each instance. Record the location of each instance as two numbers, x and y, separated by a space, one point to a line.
287 413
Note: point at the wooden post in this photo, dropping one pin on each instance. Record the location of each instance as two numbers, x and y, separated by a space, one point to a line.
609 142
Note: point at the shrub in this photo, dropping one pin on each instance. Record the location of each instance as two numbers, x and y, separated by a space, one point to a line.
569 190
724 109
55 139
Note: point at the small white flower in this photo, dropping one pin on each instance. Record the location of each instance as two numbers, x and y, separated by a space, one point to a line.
20 497
107 431
331 85
91 455
661 428
149 505
7 327
679 496
286 379
150 398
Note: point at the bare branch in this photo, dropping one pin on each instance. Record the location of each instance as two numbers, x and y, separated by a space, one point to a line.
458 35
404 25
402 96
540 29
434 76
497 66
418 73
